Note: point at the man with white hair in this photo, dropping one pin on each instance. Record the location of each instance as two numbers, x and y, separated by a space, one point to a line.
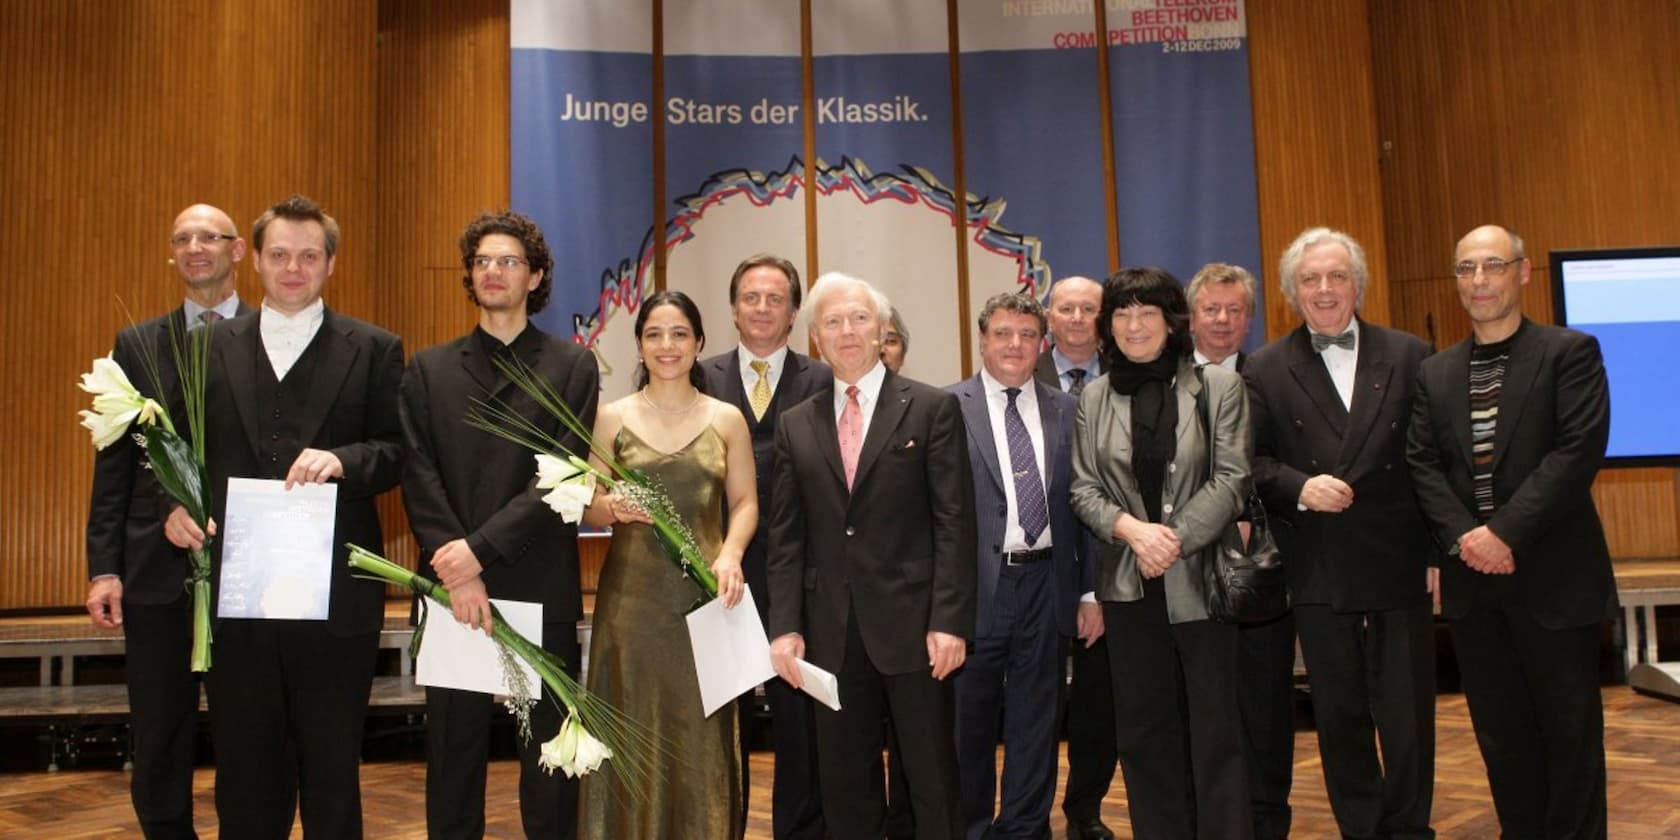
872 546
1329 404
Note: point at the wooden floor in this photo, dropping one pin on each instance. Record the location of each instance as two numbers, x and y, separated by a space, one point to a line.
1642 742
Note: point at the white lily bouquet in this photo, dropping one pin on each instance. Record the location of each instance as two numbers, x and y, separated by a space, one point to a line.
571 480
177 464
593 731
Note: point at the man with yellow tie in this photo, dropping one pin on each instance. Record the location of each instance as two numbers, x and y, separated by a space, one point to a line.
763 377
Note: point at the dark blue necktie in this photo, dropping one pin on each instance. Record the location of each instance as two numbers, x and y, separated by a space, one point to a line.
1030 508
1077 380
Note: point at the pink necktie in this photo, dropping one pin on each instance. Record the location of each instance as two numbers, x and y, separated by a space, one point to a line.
851 434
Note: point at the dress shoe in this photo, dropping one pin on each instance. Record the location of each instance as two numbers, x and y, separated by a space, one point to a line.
1091 829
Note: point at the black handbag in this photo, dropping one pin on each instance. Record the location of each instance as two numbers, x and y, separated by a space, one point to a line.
1244 583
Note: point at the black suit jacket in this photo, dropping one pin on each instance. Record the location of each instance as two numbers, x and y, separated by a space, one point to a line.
460 482
1073 552
898 548
127 508
802 377
1553 426
351 410
1373 555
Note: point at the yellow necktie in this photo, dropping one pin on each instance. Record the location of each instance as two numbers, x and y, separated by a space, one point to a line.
760 398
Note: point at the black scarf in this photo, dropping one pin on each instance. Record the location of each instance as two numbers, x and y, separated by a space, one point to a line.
1154 422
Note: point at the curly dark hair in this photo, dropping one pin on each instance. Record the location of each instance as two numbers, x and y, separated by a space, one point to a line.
520 227
1149 286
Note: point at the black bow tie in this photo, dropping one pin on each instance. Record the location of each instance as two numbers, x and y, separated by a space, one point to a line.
1344 341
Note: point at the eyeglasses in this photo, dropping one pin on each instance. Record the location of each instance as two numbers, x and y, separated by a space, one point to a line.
484 261
182 240
1493 267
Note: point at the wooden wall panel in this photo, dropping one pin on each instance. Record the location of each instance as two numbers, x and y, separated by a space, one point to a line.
443 124
1554 119
1315 138
118 116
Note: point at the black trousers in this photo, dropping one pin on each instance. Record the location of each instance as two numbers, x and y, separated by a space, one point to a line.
163 715
458 752
287 701
795 802
1007 687
1539 718
1176 722
1092 756
1372 676
849 748
1266 677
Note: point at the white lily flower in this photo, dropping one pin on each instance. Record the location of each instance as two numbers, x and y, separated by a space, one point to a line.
572 483
108 377
574 751
107 428
590 752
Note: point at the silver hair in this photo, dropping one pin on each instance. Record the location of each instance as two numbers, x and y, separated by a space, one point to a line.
903 332
1223 274
833 283
1516 245
1316 236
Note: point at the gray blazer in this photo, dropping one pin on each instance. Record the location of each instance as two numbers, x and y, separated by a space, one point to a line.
1197 508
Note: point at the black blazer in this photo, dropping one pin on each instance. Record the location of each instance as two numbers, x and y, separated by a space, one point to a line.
460 482
802 376
1373 555
1554 423
1073 553
351 410
898 547
127 508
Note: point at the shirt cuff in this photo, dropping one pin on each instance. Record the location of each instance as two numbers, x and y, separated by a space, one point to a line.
1088 598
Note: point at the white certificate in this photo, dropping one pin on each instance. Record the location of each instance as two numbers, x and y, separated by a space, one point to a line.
277 550
731 652
820 684
453 655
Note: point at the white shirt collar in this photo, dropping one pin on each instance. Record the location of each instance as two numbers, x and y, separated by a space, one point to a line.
869 388
307 320
777 358
1228 363
995 391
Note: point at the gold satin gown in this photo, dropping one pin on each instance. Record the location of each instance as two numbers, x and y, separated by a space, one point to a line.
640 661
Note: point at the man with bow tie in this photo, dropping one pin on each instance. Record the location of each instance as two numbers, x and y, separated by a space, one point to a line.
1330 403
302 394
872 541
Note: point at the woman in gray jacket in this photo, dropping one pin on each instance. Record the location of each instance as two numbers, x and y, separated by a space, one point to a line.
1142 483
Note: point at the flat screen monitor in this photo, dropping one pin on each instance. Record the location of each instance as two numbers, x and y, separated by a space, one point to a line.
1629 298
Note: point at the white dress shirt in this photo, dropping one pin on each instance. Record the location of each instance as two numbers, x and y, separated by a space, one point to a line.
1014 538
749 377
1341 363
284 337
1229 362
869 392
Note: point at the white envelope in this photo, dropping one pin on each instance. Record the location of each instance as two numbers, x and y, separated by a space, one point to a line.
731 652
820 684
454 655
277 550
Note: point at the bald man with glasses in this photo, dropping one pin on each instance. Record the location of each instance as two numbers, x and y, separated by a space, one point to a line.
135 576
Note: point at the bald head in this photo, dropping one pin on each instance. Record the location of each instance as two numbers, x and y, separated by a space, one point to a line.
206 244
1490 269
1074 305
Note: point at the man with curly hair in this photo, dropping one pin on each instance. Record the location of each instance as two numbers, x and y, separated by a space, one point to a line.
483 530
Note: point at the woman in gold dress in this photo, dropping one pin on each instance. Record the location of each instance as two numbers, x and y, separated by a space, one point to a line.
640 660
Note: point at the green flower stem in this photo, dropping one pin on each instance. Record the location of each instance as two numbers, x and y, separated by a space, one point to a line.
201 627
